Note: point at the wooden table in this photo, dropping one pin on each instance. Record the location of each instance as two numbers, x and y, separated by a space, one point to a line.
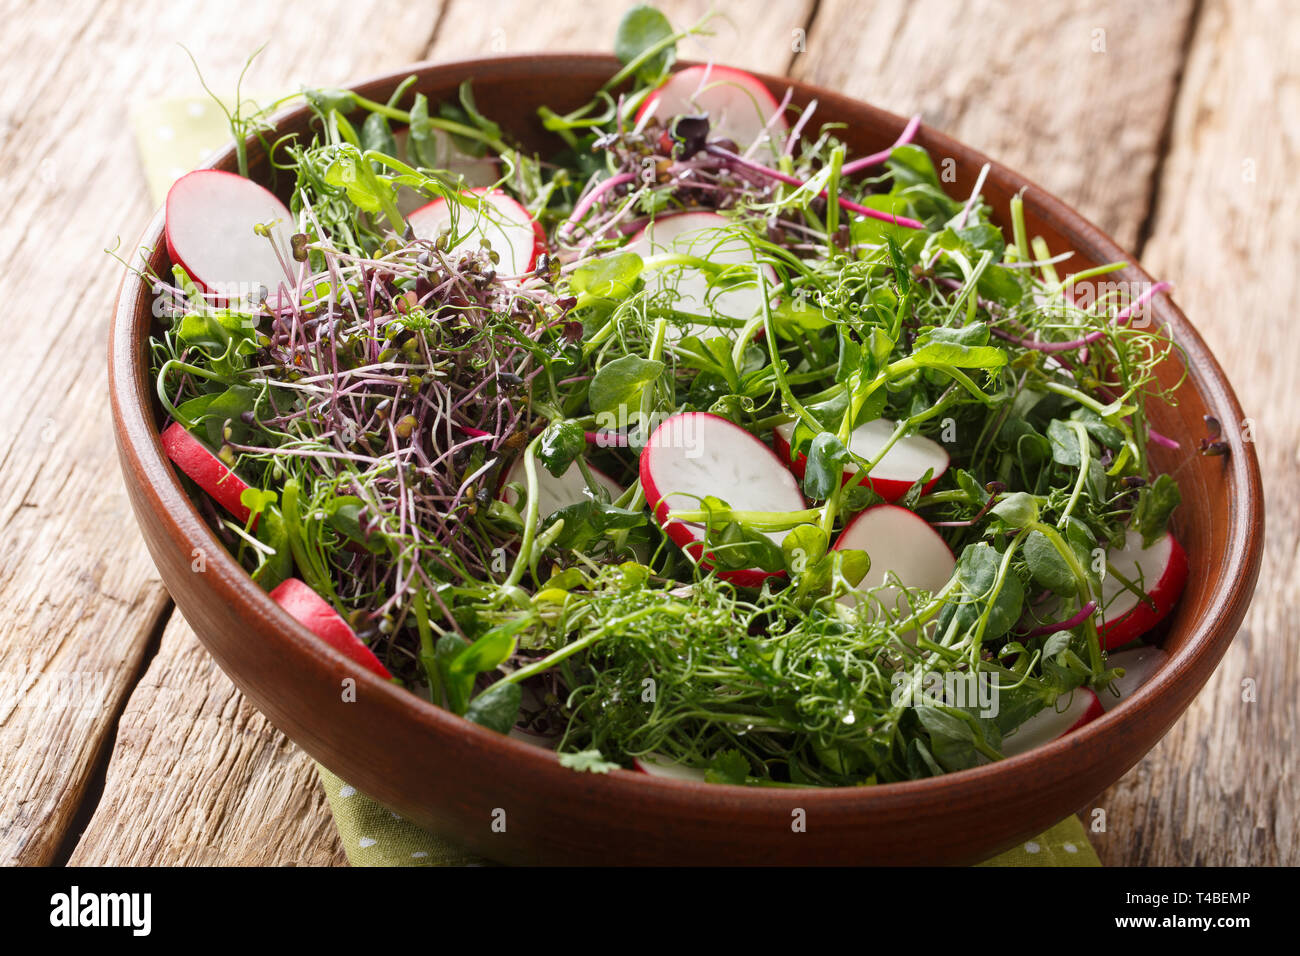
1175 125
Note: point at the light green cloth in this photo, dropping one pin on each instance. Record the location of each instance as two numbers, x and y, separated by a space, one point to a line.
173 137
374 836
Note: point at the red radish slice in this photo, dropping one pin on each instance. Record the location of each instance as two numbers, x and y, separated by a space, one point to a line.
737 103
314 613
1051 724
1139 665
476 171
901 545
514 234
901 467
695 454
709 236
659 766
1161 569
205 469
209 231
556 493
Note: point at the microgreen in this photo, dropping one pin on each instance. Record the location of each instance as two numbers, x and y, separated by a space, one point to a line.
377 411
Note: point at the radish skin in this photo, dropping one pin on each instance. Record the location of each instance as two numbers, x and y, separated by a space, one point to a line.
692 455
900 468
210 217
737 103
314 613
205 469
515 236
901 545
1125 618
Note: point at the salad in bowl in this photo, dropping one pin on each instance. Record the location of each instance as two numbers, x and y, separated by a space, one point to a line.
697 445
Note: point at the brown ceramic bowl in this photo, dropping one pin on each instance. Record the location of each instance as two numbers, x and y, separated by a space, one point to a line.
452 776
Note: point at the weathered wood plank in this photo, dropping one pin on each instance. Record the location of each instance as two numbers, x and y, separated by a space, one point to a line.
78 595
738 37
1074 95
1222 788
199 777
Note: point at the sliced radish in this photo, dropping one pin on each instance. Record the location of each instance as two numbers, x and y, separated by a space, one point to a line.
737 103
696 454
205 469
901 545
314 613
901 467
211 216
515 236
1051 724
1161 569
659 766
556 493
475 171
709 236
1139 665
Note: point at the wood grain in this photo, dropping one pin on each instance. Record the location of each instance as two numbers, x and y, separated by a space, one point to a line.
79 597
1074 95
1222 788
199 777
736 35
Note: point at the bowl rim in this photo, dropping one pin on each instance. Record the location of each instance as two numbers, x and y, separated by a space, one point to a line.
140 450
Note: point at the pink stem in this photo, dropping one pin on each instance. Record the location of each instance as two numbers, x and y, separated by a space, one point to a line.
1160 439
905 137
793 181
1121 317
1085 612
589 200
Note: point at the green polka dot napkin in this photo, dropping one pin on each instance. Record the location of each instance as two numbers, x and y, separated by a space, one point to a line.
173 137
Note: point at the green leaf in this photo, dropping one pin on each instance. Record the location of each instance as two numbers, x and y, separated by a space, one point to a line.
959 356
975 334
952 739
377 135
730 766
587 761
458 689
1108 435
977 570
491 650
1018 509
487 126
1156 502
587 522
617 387
609 277
1048 568
422 139
561 443
344 513
1065 443
496 708
803 547
274 568
825 469
640 29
